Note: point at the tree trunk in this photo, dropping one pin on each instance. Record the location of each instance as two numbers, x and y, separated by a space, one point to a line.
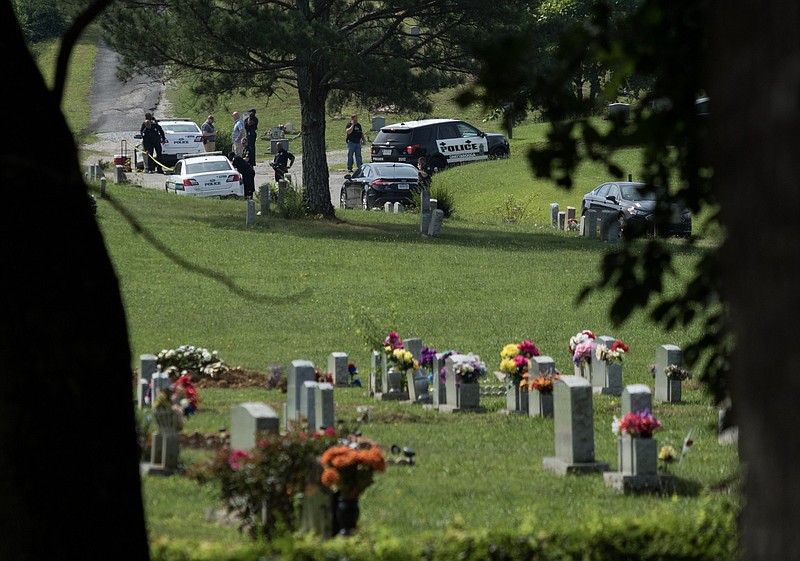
754 97
69 469
313 97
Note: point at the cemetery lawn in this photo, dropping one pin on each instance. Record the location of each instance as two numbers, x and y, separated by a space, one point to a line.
307 288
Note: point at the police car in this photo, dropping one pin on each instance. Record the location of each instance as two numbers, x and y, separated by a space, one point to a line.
183 137
205 175
443 142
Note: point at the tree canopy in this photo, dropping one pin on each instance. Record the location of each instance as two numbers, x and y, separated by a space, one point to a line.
393 53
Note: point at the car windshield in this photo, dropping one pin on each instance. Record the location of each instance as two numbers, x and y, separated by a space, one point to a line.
203 167
181 127
396 172
635 193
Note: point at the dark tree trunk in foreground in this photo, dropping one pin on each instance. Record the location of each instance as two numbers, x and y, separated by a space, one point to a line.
755 112
313 96
69 481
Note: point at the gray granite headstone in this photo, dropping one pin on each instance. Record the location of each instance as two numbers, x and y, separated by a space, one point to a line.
562 220
300 372
591 224
636 397
425 221
425 201
264 191
324 416
283 185
434 204
147 367
251 212
337 365
606 378
553 215
667 391
435 227
308 405
573 419
250 419
158 381
619 111
438 387
165 448
607 218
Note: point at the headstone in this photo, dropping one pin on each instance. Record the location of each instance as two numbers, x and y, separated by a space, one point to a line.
283 185
466 397
562 220
391 383
438 387
158 381
434 204
374 366
119 175
308 406
591 224
606 378
574 428
147 367
317 506
582 227
300 372
264 195
619 111
399 208
425 200
425 222
387 207
324 416
636 397
667 391
378 123
607 219
570 217
435 227
250 419
553 215
540 405
166 443
337 365
251 212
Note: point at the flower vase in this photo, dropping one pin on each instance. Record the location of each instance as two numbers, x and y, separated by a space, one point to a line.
347 513
540 404
395 379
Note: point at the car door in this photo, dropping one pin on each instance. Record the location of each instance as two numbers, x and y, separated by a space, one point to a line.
596 199
456 147
354 187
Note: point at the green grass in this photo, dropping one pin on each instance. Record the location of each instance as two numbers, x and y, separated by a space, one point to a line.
318 287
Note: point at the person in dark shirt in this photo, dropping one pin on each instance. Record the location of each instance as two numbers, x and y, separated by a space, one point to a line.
247 152
150 140
425 173
282 162
162 137
355 139
251 129
248 174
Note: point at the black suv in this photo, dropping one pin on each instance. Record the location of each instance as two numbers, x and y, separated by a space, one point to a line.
443 142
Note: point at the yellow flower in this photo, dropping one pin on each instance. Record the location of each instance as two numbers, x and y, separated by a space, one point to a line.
508 365
509 351
666 454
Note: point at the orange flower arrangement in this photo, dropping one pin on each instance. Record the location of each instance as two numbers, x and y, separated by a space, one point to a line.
543 383
350 470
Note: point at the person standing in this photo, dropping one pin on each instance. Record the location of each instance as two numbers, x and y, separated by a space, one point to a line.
163 139
355 139
238 133
248 174
425 173
150 140
209 134
283 161
247 152
251 129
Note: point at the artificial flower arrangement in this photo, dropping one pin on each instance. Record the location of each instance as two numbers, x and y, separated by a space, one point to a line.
641 423
402 360
614 354
544 382
666 456
353 372
468 368
515 360
580 346
392 342
189 357
349 469
186 394
675 372
324 377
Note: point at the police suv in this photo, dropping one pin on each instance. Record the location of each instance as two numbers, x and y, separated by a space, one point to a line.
443 142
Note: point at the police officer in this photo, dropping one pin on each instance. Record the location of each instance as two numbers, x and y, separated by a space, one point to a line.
283 161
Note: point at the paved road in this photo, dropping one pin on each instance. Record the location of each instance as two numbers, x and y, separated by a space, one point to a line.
117 111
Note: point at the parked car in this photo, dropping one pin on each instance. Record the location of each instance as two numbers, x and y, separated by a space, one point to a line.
183 137
205 175
636 205
443 142
377 183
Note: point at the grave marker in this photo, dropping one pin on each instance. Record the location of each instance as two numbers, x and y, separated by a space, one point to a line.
308 406
553 215
574 428
539 404
435 227
324 409
337 365
250 419
148 365
606 378
300 372
667 390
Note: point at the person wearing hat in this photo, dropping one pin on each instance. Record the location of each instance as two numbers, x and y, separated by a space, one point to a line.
209 134
250 128
163 139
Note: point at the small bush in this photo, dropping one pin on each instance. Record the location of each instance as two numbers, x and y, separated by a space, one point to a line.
444 200
512 210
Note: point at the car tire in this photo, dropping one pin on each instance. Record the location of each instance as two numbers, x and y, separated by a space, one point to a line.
437 163
498 153
343 199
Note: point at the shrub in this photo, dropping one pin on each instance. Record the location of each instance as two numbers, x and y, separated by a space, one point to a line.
444 200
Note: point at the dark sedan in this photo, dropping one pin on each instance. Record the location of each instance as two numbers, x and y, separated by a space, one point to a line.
374 184
636 205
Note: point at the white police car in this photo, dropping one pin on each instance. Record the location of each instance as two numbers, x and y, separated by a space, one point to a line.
442 142
205 175
183 137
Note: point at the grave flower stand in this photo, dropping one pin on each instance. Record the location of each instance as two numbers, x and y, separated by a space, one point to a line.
347 514
395 380
540 404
